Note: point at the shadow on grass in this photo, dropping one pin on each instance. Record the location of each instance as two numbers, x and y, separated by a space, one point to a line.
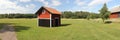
65 24
2 24
21 28
4 27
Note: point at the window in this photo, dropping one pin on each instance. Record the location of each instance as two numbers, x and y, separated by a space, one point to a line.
43 11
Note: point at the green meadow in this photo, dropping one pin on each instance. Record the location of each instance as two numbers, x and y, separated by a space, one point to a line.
71 29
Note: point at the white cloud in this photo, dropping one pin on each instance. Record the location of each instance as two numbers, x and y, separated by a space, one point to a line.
50 3
115 8
24 0
31 6
44 2
80 3
55 3
7 6
96 2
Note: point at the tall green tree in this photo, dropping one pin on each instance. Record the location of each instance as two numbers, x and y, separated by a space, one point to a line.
104 13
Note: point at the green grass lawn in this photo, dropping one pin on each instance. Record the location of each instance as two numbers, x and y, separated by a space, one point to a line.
71 29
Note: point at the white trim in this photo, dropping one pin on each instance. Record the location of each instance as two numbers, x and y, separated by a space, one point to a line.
37 20
50 20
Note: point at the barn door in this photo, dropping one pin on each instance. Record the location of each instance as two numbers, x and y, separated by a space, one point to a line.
56 22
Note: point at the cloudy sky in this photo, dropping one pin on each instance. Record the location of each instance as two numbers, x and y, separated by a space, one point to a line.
31 6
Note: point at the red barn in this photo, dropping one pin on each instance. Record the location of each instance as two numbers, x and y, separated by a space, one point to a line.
115 12
48 17
115 15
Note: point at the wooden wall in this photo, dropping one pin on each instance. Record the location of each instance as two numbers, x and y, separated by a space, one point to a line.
43 15
115 15
54 17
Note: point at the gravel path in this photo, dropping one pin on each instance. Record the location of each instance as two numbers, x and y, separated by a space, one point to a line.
8 33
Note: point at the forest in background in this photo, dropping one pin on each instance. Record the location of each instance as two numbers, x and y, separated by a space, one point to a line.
80 15
17 15
65 14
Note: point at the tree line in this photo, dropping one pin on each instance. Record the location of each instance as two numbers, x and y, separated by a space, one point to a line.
17 15
65 14
80 15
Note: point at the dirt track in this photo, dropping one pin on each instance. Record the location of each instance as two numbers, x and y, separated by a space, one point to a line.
8 33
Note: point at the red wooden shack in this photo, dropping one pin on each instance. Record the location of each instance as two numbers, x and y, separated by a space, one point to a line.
48 17
115 15
115 12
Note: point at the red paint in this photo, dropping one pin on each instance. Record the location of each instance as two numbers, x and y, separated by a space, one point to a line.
44 15
114 15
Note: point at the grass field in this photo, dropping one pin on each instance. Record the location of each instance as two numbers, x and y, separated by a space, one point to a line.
71 29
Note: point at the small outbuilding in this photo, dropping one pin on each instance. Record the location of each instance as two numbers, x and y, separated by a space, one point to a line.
115 12
48 17
115 15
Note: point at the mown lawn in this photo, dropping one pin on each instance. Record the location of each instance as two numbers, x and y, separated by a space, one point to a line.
71 29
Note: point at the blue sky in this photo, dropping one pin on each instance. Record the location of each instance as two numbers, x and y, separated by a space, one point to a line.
31 6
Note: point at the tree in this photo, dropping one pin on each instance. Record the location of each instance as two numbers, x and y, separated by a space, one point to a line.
104 13
67 14
88 17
